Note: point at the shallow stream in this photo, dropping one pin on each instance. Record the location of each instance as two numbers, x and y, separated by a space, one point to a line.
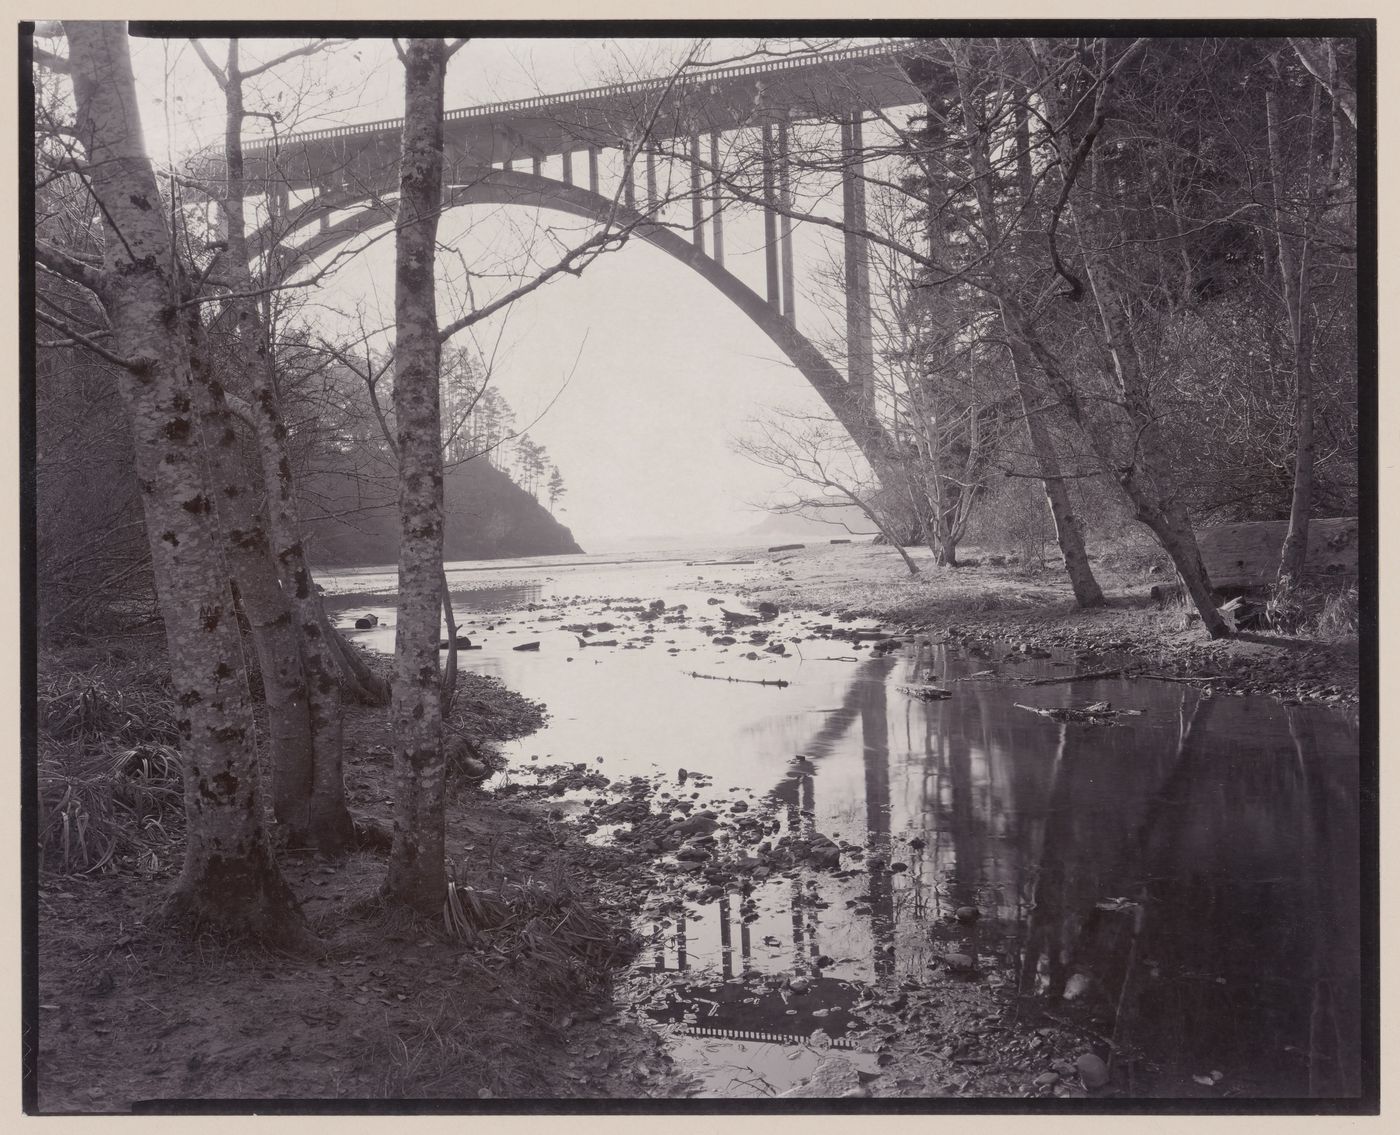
1185 879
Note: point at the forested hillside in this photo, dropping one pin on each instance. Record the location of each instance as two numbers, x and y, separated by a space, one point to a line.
486 515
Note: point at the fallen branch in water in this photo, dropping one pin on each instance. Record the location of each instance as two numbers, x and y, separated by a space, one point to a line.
1100 713
749 681
926 693
1093 675
1169 678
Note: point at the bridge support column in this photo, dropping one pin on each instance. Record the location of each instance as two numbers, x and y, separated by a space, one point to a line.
593 169
569 167
718 201
652 199
629 179
697 205
785 225
859 354
536 166
770 225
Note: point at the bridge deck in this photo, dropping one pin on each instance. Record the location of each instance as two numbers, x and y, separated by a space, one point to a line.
803 88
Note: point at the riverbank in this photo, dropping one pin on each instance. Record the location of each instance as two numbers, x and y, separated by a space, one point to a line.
394 1007
805 846
988 602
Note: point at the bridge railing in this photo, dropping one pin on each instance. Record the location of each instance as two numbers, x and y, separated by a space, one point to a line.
513 106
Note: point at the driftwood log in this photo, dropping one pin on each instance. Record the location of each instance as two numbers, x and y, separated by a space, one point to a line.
1247 555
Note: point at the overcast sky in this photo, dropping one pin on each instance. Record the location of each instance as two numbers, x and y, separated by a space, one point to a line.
665 373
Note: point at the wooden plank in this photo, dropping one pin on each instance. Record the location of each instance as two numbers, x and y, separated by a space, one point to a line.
1247 555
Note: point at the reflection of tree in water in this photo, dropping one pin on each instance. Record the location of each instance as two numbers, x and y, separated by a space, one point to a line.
1332 904
1223 928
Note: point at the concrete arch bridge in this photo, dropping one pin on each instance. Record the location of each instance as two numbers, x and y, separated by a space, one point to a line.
322 188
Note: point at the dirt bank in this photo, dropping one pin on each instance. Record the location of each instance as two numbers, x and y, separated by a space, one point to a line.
1037 609
393 1008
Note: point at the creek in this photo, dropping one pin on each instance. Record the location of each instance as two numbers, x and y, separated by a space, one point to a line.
1185 882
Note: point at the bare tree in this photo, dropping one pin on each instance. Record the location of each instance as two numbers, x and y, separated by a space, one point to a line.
824 471
229 877
416 864
301 670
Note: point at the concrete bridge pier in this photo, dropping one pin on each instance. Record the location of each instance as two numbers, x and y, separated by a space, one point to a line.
860 360
697 203
770 225
717 200
785 226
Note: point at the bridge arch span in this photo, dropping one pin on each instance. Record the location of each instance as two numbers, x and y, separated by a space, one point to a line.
490 186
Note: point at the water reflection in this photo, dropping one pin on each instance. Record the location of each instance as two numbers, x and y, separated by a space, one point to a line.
1187 882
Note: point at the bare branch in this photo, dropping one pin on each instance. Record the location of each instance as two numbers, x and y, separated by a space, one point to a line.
306 49
79 339
214 68
68 266
50 60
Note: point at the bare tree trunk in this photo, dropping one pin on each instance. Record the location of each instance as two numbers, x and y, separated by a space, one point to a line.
1295 263
367 687
249 558
1141 467
329 827
416 864
229 878
449 672
1144 472
1069 532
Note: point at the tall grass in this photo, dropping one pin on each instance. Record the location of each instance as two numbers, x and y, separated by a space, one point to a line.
110 776
1331 614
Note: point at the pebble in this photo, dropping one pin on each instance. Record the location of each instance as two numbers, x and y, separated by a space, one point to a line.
1093 1072
1045 1079
967 914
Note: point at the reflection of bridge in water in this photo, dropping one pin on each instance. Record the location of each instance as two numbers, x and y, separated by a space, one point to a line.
705 132
1197 869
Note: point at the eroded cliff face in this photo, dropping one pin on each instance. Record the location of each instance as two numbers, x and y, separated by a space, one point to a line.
487 515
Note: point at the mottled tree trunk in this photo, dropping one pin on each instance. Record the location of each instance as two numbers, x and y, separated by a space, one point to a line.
229 878
416 863
275 639
318 792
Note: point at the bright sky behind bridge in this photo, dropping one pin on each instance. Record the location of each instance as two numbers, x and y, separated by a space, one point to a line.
665 371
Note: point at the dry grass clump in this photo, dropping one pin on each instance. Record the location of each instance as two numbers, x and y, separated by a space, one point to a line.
541 928
1330 614
110 776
